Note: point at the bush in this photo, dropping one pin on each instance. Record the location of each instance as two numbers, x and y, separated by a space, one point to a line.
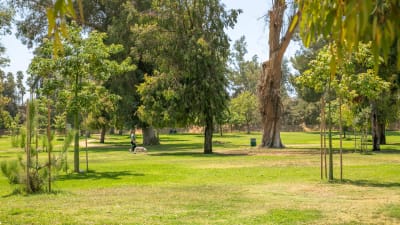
11 170
15 171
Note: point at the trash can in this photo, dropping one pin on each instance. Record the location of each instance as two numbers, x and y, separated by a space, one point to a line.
253 142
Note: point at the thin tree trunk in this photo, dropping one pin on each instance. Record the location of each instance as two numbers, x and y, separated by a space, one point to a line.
76 128
330 177
28 147
86 148
271 76
341 138
376 145
208 133
49 145
76 142
322 135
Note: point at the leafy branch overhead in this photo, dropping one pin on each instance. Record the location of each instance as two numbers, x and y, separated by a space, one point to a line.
57 16
348 22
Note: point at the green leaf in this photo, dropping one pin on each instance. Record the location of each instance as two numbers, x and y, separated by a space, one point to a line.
294 22
52 21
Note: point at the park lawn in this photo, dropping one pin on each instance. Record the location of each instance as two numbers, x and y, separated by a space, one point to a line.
175 183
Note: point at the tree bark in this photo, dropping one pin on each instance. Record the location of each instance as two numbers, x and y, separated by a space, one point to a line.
208 133
271 77
76 127
150 136
248 127
382 128
102 134
76 142
49 144
28 146
376 132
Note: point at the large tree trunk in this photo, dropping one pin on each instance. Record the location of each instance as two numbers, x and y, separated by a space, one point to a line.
102 134
150 136
382 128
271 77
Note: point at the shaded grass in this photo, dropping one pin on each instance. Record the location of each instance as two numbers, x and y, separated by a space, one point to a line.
393 211
175 183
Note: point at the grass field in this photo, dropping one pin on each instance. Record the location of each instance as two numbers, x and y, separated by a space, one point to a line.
175 183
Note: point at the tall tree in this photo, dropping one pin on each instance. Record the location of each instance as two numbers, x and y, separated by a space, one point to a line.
354 81
271 77
85 62
191 49
243 75
21 87
10 92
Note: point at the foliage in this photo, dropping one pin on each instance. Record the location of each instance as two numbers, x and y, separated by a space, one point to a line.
6 15
61 162
12 170
244 110
348 22
190 48
103 109
243 75
83 67
60 122
160 101
354 79
356 82
301 62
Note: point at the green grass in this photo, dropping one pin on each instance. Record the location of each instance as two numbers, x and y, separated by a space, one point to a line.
175 183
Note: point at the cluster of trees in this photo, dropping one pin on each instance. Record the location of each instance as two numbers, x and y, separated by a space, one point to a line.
166 63
102 68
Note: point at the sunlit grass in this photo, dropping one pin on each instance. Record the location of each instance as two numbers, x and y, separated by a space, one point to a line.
175 183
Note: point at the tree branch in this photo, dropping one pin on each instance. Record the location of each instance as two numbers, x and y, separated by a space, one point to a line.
284 43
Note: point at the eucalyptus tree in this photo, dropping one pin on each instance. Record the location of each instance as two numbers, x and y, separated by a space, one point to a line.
271 77
188 42
348 22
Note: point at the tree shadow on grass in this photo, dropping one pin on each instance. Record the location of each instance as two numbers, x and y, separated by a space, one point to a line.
18 192
93 175
107 148
369 183
198 154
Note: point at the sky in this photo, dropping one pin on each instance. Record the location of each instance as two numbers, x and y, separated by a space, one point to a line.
251 24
